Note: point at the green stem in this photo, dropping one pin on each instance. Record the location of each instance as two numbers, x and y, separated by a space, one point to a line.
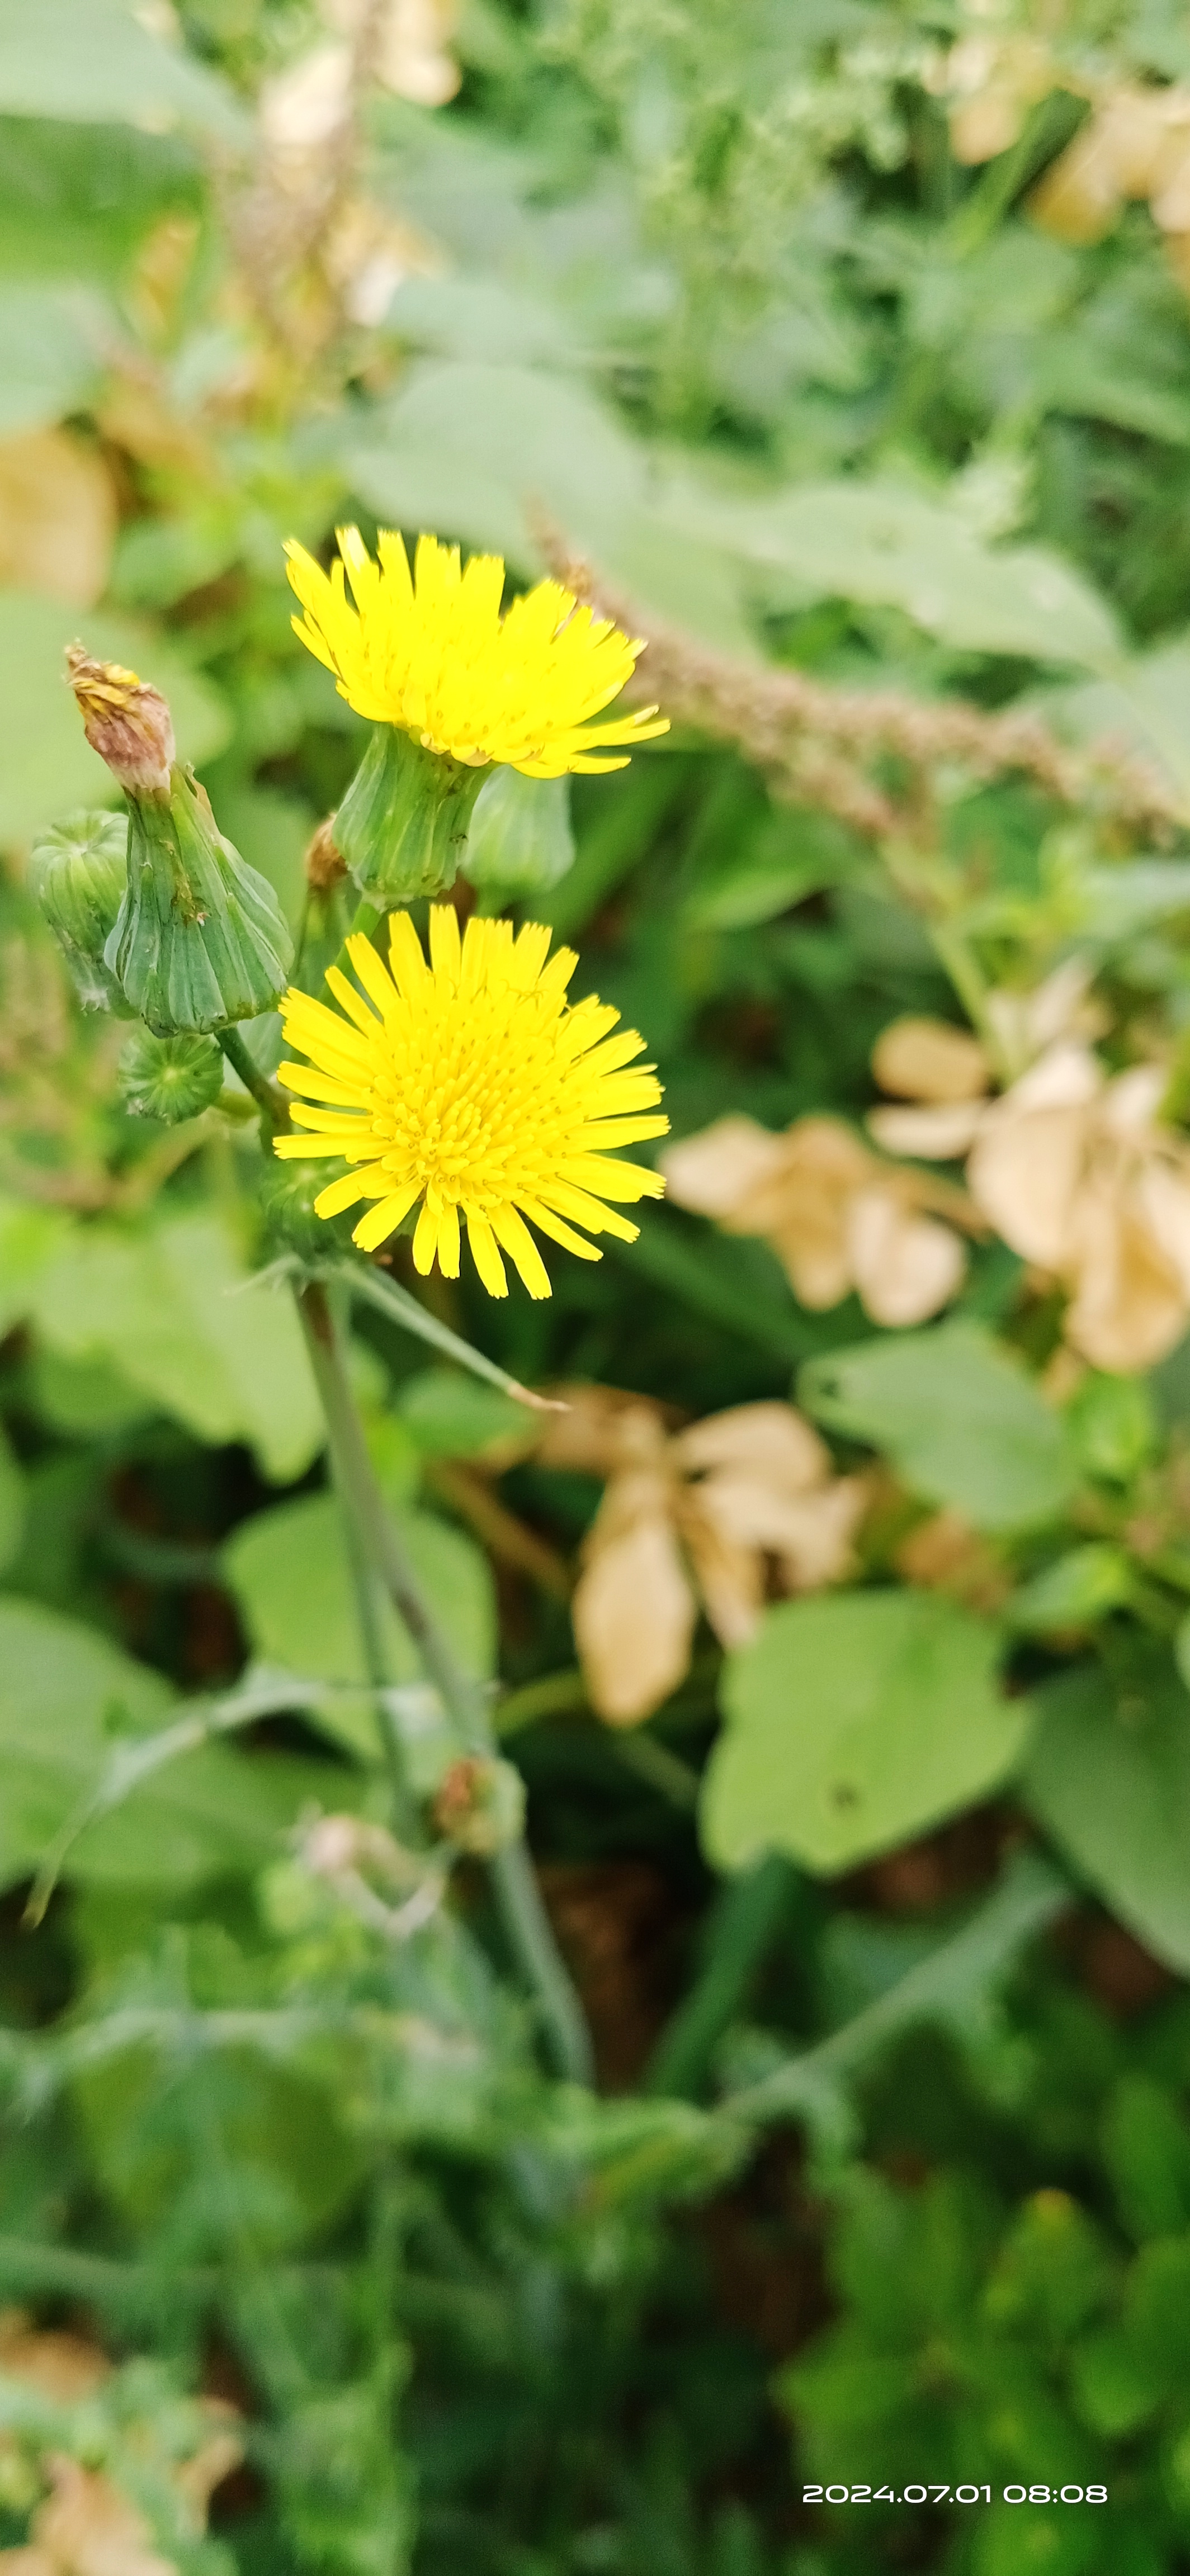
270 1101
366 1586
367 918
744 1922
518 1896
961 964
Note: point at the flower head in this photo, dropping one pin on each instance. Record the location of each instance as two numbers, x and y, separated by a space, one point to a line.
125 720
432 653
472 1085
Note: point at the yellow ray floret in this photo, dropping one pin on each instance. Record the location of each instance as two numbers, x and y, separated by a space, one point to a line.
471 1085
433 654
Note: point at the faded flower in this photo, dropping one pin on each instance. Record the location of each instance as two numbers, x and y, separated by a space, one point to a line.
1074 1170
717 1514
837 1217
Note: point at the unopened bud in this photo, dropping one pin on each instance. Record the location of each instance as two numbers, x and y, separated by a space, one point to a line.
170 1078
402 826
77 873
125 720
480 1805
325 864
201 939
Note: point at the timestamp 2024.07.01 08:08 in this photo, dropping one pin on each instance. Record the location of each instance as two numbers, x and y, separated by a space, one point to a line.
954 2495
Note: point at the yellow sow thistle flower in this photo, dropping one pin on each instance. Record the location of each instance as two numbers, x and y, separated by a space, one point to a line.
472 1085
432 653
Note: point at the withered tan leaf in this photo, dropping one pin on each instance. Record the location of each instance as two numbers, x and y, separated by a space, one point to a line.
772 1440
930 1060
935 1135
88 2528
634 1617
57 516
712 1172
904 1266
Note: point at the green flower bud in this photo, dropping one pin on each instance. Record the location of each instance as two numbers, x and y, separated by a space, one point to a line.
201 939
402 826
77 872
287 1195
170 1078
480 1804
520 840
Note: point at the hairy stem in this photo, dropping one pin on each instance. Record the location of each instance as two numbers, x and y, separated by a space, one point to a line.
526 1924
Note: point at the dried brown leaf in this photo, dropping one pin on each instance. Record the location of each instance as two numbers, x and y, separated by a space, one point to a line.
904 1266
930 1060
634 1618
57 516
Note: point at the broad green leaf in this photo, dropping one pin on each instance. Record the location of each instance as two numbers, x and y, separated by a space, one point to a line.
853 1723
958 1417
291 1577
63 1692
478 450
75 201
1080 1587
1142 705
48 764
12 1505
50 338
95 60
879 543
1109 1777
172 1306
452 1416
30 1238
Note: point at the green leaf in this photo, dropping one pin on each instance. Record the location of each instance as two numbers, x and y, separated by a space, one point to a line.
1077 1589
173 1307
291 1578
879 543
1142 706
452 1416
853 1723
1146 2151
30 1239
62 1691
50 337
49 765
12 1505
1109 1777
94 60
958 1417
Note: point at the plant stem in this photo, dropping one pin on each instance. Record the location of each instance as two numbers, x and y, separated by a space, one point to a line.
744 1922
518 1897
269 1099
366 1586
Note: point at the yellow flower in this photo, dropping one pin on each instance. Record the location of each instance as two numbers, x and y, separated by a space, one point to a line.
433 654
472 1085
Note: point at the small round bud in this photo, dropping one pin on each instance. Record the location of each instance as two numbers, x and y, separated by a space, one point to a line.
77 874
287 1194
170 1078
325 864
125 720
480 1805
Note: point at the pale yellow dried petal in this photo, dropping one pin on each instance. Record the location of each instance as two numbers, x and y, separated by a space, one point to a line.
712 1172
1025 1175
730 1577
933 1135
772 1441
818 1547
634 1618
926 1059
905 1267
1130 1307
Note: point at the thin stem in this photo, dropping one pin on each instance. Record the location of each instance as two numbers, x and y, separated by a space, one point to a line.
368 1606
744 1923
523 1914
271 1102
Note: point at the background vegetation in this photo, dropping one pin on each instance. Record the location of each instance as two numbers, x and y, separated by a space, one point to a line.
842 348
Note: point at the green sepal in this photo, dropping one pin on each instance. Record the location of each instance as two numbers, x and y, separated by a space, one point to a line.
78 871
201 939
170 1078
520 840
402 826
288 1189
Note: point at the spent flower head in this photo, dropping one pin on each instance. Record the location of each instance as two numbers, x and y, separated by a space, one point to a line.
433 653
472 1086
125 720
